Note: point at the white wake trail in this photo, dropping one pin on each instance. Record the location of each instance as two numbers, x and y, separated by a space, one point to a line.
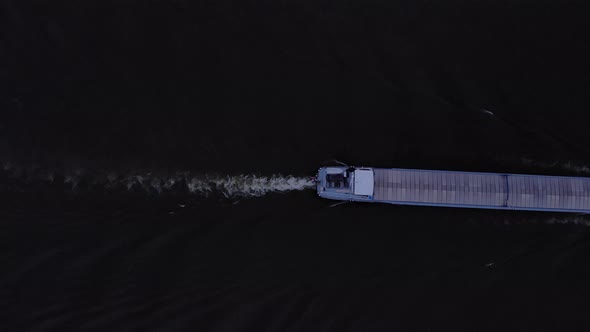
244 185
566 166
82 180
569 220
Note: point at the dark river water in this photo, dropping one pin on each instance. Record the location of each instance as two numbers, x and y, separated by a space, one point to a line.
155 164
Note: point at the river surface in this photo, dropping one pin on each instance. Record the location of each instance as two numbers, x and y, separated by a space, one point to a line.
155 164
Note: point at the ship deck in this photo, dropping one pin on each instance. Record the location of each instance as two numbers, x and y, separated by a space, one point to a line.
482 190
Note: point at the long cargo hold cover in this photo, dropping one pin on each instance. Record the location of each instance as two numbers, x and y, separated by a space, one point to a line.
482 190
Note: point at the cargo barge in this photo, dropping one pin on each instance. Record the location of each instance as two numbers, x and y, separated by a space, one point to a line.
455 189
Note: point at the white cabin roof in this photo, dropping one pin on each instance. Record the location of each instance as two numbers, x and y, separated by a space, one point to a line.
364 181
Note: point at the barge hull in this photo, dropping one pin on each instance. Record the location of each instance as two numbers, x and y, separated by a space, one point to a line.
482 190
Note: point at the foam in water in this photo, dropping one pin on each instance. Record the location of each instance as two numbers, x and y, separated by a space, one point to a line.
566 219
228 186
566 166
571 220
243 185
